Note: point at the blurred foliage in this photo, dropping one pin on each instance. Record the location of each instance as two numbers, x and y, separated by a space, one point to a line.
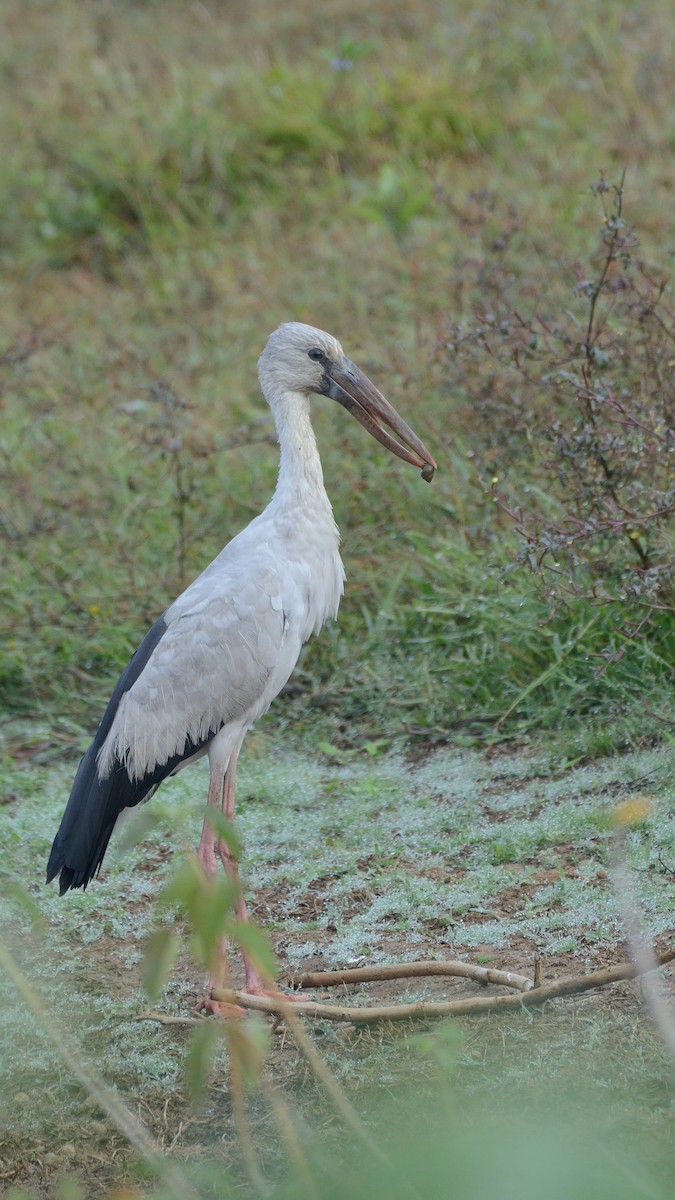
425 1132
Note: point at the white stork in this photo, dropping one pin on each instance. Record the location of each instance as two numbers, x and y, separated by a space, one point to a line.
213 663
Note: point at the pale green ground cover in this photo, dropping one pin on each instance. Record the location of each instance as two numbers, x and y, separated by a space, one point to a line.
375 860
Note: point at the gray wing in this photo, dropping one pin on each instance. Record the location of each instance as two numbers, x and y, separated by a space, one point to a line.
223 657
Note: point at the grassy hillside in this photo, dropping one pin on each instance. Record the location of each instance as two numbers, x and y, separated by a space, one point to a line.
415 178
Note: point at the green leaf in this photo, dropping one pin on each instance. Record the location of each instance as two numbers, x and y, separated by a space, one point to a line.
134 830
249 1041
443 1046
209 916
253 941
334 752
183 886
17 892
66 1189
200 1055
372 749
159 956
225 829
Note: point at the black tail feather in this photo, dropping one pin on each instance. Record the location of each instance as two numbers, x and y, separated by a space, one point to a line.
95 804
91 813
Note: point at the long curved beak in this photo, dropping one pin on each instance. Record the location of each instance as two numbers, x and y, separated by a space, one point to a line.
347 384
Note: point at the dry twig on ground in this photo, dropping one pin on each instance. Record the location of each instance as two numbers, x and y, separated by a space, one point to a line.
413 970
568 985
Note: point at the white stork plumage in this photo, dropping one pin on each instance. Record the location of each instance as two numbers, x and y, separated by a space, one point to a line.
213 663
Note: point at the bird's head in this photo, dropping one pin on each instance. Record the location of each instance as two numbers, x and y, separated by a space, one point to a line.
300 358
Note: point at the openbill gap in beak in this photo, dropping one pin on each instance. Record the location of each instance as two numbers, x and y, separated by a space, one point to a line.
347 384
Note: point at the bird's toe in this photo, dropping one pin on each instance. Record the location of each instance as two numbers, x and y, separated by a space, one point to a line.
206 1006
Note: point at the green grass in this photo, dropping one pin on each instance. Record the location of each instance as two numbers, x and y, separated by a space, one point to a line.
418 848
165 208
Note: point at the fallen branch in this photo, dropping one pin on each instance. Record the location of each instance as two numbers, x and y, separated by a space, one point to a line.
413 970
471 1006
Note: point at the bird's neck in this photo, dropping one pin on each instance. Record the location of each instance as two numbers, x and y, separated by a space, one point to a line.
300 478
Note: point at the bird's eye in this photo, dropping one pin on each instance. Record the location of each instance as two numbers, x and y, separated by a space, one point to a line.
316 354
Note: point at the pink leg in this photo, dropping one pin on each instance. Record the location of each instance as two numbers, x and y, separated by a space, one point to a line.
222 793
252 980
206 854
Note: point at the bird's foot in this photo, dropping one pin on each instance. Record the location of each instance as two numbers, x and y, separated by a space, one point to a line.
218 1008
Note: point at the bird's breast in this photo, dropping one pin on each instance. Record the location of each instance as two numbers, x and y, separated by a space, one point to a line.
315 589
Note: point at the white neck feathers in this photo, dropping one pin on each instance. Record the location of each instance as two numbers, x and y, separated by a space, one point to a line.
300 476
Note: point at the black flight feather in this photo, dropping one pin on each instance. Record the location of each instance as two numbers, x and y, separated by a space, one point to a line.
95 804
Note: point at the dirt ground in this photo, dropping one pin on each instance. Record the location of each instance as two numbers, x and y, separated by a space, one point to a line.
88 1149
406 898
